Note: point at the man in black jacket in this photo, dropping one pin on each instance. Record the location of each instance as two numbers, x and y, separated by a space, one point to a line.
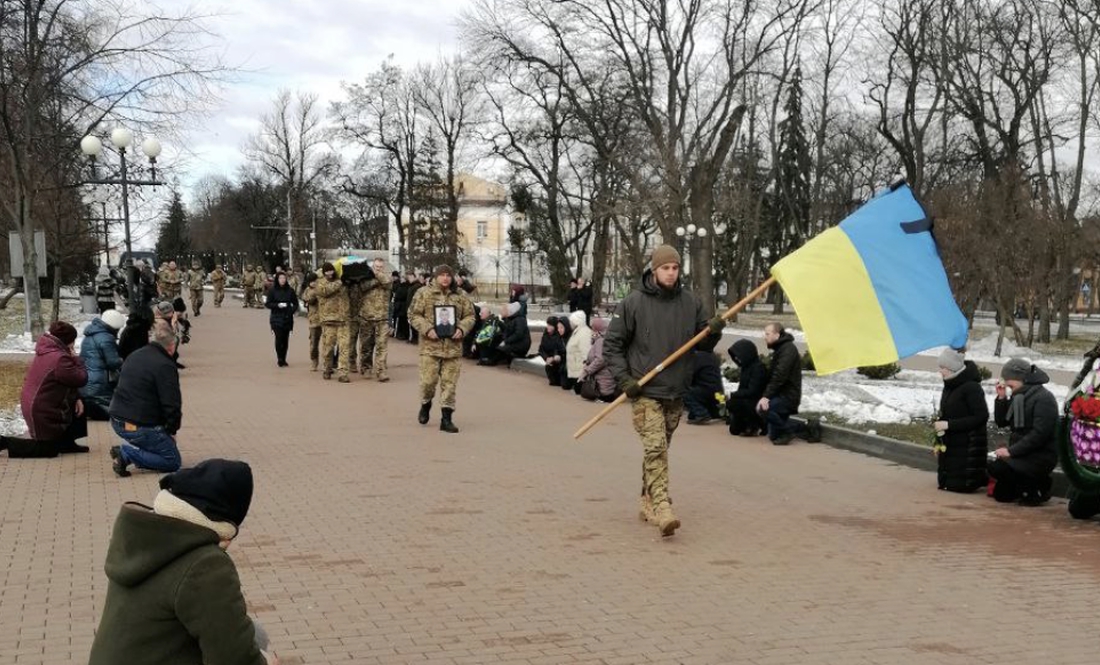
701 399
147 408
1022 468
585 298
783 394
653 321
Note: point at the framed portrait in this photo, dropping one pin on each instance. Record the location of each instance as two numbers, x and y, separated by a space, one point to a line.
445 321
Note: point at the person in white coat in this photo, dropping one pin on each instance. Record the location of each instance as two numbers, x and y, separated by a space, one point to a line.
576 350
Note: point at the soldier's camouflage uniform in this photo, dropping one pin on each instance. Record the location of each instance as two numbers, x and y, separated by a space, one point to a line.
172 285
248 283
217 278
439 358
355 300
374 329
194 284
309 297
334 311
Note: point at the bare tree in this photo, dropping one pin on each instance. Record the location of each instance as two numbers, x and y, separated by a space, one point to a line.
111 61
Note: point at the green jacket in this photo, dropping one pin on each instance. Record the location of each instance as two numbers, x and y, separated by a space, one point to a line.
422 318
173 597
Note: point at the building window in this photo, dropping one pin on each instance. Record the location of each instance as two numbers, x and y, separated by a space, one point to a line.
482 230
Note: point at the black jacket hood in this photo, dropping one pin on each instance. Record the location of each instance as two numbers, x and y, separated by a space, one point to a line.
744 353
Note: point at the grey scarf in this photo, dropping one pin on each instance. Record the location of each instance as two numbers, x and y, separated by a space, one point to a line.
1016 414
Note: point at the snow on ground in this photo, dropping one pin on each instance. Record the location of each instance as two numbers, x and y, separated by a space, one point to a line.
70 311
981 350
911 395
11 423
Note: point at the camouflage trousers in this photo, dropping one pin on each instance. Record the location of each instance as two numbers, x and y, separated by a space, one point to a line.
372 346
353 337
196 300
655 421
219 295
442 372
314 345
249 296
334 337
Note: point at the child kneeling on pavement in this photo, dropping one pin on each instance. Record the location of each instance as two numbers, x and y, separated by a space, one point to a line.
173 594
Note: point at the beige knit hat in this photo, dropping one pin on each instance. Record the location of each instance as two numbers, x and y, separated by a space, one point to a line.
664 254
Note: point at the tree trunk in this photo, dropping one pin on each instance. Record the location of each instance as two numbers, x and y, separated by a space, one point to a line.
1044 322
30 268
55 308
599 259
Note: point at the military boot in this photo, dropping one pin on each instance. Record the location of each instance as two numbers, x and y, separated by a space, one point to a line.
344 379
645 509
425 413
445 424
666 521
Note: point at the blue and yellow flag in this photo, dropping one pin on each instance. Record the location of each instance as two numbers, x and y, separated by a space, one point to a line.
873 289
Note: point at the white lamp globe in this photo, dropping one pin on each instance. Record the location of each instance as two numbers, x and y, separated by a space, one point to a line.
702 233
691 228
680 231
91 146
122 138
151 148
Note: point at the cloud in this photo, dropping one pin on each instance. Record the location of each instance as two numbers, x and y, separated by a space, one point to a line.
310 45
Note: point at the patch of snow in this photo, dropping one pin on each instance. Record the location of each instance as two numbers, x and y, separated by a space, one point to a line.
798 335
981 350
11 423
23 343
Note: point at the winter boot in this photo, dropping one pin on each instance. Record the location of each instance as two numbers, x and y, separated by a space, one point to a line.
118 465
425 413
445 424
666 521
813 430
344 379
326 375
71 447
645 509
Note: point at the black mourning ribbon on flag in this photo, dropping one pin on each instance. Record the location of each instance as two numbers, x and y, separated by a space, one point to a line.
917 225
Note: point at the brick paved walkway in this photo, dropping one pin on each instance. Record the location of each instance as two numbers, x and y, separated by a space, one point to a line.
373 540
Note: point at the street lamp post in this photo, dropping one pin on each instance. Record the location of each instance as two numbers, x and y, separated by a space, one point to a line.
122 139
686 235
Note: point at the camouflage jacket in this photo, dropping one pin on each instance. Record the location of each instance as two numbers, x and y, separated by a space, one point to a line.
217 277
375 299
332 301
173 278
248 279
309 297
195 279
422 317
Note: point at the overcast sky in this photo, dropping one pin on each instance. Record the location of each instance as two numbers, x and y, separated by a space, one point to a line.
311 45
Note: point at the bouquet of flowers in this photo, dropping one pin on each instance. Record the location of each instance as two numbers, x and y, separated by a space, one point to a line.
1084 430
938 445
722 413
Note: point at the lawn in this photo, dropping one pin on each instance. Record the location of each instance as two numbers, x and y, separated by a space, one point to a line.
11 382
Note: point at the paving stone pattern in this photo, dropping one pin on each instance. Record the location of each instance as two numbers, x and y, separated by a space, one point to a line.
374 540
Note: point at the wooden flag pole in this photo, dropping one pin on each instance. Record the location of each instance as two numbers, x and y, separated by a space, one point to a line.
756 293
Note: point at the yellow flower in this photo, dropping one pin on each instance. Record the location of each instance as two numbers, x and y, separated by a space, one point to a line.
721 397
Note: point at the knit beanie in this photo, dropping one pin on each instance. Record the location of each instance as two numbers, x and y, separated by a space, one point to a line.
63 331
952 361
440 269
113 319
165 309
220 489
664 254
1015 369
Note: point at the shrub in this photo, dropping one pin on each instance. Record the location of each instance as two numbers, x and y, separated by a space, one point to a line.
985 372
880 372
808 362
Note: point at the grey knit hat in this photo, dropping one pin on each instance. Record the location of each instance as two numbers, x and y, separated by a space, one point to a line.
952 360
1015 369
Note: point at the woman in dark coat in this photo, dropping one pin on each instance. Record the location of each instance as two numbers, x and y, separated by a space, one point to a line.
565 331
1022 468
283 304
515 338
552 351
50 399
961 425
136 333
744 419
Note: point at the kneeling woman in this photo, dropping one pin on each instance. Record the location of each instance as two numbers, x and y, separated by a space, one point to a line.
962 425
50 402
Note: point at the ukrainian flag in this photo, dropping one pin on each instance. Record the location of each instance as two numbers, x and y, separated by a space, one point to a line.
873 290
